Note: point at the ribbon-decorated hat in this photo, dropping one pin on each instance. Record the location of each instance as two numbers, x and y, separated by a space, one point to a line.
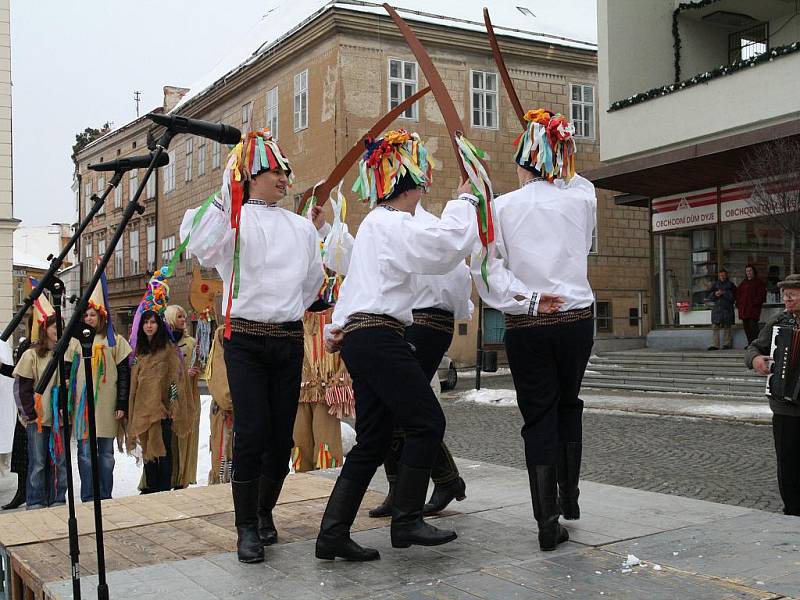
156 299
387 161
256 152
547 145
42 309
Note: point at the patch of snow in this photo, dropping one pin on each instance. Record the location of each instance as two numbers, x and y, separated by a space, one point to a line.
656 567
348 437
489 396
631 561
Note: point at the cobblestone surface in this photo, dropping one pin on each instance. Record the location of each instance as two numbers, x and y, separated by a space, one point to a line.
732 463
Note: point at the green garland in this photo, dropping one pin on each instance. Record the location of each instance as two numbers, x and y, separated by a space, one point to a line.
720 71
676 34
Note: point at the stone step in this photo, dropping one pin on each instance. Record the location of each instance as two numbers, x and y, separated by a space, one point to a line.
646 381
648 360
738 393
662 370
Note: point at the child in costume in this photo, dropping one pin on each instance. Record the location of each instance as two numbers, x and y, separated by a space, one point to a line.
158 407
111 381
184 450
221 413
47 471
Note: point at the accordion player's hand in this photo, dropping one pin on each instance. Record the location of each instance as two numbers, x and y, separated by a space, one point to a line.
761 364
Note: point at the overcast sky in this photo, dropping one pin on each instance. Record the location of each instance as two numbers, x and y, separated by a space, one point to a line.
76 64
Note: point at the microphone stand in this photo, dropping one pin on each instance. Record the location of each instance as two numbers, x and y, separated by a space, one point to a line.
58 261
73 329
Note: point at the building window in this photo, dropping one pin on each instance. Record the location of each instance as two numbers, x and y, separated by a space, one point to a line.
151 185
593 249
301 100
187 260
133 183
169 173
151 244
201 157
118 197
134 250
247 109
101 184
87 194
402 84
215 153
748 43
119 259
272 111
189 158
88 265
167 248
604 319
582 109
462 329
484 99
101 244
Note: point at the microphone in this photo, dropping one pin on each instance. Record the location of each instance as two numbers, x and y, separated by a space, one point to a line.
225 134
130 163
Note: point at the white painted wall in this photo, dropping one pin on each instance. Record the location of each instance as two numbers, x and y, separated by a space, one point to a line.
7 221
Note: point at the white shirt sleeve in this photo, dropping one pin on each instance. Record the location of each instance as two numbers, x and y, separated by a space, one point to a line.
504 286
212 238
324 231
315 275
434 248
338 250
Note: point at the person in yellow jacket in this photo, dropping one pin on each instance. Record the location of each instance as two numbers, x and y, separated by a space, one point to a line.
184 450
221 413
111 384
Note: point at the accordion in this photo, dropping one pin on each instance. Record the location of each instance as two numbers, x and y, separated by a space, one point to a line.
783 383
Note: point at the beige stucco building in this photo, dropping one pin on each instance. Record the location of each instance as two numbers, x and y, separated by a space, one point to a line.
321 85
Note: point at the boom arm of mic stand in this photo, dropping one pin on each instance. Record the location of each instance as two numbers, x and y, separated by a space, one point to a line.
55 263
80 308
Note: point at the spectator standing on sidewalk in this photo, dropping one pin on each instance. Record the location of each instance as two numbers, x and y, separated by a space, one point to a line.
723 295
786 416
750 297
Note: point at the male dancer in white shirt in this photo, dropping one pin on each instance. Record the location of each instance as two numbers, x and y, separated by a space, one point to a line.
543 234
269 261
374 307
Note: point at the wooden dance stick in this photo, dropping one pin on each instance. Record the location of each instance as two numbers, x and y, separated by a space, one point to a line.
501 66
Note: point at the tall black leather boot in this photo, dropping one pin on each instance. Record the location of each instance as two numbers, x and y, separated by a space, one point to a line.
408 527
245 502
384 509
268 492
569 470
19 498
544 493
444 494
334 532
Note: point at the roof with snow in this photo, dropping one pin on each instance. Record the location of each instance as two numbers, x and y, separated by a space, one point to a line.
571 23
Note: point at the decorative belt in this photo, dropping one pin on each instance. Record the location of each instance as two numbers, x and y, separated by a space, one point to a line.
434 318
559 318
362 320
292 329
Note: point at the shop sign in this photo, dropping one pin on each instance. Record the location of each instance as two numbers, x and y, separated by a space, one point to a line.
680 211
736 204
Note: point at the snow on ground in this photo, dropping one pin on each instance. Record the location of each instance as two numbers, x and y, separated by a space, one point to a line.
489 396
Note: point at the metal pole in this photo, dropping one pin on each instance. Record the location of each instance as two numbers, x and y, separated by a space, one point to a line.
641 316
662 277
479 346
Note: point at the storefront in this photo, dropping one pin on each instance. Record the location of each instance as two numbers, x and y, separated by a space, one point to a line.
697 233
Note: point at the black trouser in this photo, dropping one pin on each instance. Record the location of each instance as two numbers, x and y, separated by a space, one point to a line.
158 472
786 431
390 388
264 375
430 345
751 329
547 365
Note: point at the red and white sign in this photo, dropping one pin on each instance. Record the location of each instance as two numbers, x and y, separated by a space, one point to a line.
680 211
736 203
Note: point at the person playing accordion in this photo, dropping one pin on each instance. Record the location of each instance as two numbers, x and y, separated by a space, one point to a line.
773 354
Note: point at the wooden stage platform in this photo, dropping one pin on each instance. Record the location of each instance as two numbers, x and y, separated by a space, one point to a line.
151 529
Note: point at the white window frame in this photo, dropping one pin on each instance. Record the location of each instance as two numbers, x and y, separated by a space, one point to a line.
586 108
88 265
167 248
101 244
247 110
189 158
150 192
594 248
271 111
483 92
119 259
216 153
151 244
201 157
133 182
403 81
101 185
169 173
134 249
87 194
118 196
301 100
